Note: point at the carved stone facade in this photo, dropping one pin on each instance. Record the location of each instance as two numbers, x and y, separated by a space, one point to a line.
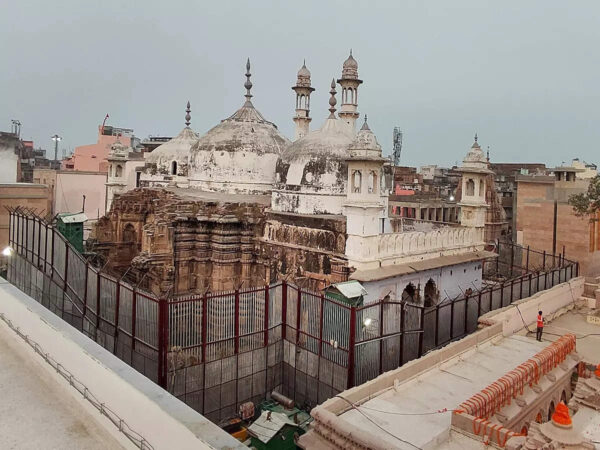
175 242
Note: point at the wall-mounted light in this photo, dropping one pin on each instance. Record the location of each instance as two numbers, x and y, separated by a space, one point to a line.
8 251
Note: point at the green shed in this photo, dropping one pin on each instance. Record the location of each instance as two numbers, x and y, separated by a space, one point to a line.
349 292
70 225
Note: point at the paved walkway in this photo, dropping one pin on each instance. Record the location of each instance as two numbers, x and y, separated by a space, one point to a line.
36 412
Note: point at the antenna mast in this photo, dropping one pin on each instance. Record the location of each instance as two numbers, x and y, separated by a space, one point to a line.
397 145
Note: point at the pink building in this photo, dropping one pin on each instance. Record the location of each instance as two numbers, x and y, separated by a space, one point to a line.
93 157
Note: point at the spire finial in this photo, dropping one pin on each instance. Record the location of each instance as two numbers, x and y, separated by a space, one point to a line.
332 100
475 136
350 52
365 126
488 153
188 118
248 83
304 63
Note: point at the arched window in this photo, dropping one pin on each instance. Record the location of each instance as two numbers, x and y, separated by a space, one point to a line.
119 171
356 181
409 294
481 188
129 233
431 293
174 168
470 187
550 411
372 182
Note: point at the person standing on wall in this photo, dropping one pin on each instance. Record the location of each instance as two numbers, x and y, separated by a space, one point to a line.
540 326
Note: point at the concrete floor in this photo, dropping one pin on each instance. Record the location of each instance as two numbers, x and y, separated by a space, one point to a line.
575 321
36 412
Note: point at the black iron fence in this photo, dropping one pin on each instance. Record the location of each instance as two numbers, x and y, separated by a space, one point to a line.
218 350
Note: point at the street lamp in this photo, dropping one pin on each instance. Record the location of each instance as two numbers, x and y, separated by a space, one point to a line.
7 251
56 138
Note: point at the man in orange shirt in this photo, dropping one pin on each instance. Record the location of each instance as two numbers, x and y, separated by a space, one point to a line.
540 326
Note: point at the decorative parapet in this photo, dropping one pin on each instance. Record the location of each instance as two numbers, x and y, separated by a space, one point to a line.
474 415
396 248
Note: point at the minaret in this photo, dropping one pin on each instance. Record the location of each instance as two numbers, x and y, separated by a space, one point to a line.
473 201
349 83
303 91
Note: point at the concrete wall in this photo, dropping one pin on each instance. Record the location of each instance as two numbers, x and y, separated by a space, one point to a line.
535 222
72 185
10 168
92 158
451 282
552 302
29 195
162 420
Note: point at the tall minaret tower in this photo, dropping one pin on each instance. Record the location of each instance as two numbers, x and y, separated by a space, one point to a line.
349 83
303 91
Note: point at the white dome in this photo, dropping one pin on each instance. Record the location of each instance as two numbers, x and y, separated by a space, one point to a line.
177 149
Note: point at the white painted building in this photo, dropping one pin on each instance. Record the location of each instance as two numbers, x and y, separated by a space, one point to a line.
124 170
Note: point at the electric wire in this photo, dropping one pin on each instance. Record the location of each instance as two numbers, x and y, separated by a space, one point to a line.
377 425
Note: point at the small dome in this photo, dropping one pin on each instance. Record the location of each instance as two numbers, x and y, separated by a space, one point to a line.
350 63
365 145
350 68
177 149
304 72
118 149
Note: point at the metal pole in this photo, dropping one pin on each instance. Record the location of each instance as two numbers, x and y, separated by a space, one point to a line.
422 332
237 322
117 305
284 292
402 318
437 325
351 345
381 336
133 321
527 261
266 325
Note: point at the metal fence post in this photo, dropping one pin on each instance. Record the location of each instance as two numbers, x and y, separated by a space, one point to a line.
437 325
117 306
204 333
162 342
451 321
351 349
402 318
544 261
466 313
381 336
284 293
236 320
527 260
98 304
298 311
133 320
65 281
422 332
266 333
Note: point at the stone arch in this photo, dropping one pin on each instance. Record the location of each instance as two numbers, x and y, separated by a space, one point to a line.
173 167
372 182
410 293
431 293
356 181
539 418
563 396
470 187
118 171
129 234
551 408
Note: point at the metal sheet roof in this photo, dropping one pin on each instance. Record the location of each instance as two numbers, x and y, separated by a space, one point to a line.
350 289
268 425
73 218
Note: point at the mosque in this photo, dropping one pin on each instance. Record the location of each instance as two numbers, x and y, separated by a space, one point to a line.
242 206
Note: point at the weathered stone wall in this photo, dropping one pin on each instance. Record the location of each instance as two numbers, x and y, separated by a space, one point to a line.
307 249
177 244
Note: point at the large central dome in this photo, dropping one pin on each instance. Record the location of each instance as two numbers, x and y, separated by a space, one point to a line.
238 155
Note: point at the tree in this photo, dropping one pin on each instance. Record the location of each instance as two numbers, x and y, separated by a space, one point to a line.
587 203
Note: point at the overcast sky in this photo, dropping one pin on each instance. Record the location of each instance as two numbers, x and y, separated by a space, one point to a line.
524 75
